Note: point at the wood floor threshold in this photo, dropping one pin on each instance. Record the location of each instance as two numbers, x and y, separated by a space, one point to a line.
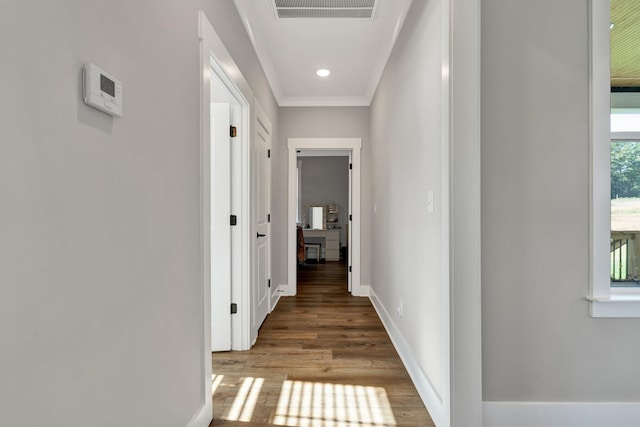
322 358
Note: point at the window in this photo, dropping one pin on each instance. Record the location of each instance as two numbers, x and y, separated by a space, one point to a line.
625 198
612 251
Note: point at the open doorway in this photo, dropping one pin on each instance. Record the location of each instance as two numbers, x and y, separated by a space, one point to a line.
323 206
224 182
316 218
225 113
225 203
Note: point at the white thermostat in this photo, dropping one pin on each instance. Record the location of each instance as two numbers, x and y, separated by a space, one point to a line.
101 90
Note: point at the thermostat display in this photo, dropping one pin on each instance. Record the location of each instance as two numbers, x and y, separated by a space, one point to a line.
107 85
101 90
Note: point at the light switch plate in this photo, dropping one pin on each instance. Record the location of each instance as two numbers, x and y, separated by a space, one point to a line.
430 201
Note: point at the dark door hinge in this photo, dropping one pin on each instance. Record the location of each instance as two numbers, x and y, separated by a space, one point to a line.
349 269
234 308
269 154
269 283
234 220
268 217
350 217
233 131
350 165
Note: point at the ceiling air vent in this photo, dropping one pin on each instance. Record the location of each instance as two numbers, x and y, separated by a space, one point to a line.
326 8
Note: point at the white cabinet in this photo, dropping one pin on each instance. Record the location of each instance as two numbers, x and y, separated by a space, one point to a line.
331 242
332 245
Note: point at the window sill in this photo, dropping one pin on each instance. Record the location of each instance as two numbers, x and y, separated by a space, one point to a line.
622 303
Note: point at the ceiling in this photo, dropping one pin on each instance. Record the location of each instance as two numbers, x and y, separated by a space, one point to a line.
355 50
625 43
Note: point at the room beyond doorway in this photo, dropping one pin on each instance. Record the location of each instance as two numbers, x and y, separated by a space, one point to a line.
353 147
323 206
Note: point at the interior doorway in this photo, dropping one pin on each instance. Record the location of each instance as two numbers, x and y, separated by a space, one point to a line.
226 203
225 113
224 181
349 147
323 207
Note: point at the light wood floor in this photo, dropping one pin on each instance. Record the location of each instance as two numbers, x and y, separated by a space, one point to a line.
322 358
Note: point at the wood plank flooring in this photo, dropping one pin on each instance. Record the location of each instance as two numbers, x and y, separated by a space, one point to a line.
322 358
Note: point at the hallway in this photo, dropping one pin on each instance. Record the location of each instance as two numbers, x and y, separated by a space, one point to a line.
322 358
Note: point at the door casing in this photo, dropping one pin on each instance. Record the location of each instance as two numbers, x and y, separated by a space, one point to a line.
354 145
216 59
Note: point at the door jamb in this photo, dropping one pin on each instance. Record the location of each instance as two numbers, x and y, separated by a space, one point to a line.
355 145
229 73
212 47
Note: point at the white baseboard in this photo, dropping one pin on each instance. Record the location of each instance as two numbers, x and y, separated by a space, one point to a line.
283 291
561 414
203 417
275 298
365 291
429 395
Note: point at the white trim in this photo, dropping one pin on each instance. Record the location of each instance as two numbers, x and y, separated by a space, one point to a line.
214 55
604 301
294 144
241 276
438 411
560 414
203 417
204 413
446 303
299 192
625 136
228 72
275 298
615 306
365 290
599 136
323 153
335 101
461 20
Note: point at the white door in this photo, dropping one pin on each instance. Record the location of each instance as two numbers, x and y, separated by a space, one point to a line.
220 227
261 198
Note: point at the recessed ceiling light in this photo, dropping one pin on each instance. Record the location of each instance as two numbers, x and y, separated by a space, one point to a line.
323 72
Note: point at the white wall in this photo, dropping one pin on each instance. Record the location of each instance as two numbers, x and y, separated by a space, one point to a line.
317 122
539 344
407 257
325 180
99 218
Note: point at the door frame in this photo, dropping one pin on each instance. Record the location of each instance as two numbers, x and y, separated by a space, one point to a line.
214 56
348 144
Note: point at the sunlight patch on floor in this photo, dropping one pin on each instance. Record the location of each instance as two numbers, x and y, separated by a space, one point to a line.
310 404
245 401
215 382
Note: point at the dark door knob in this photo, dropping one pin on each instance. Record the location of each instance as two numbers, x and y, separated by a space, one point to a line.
261 235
